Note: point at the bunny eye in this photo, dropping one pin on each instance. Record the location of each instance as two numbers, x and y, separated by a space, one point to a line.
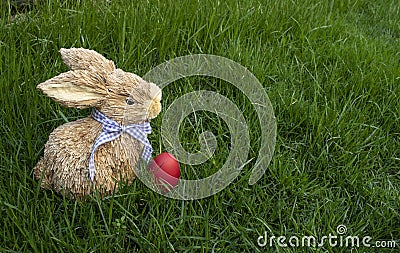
130 101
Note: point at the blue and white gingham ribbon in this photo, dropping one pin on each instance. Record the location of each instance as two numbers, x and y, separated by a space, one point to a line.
112 130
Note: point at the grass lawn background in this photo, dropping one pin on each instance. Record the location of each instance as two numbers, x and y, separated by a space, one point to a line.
331 70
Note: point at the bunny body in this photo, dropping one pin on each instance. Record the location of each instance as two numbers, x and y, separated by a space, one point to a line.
123 97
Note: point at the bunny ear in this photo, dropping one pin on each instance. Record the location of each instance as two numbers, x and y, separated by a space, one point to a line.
80 88
85 59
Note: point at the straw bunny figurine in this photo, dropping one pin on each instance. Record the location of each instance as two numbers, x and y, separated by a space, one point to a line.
95 152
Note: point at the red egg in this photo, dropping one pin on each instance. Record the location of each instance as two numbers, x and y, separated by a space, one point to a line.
166 171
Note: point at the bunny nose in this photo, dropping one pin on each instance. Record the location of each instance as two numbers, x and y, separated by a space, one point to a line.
154 108
155 104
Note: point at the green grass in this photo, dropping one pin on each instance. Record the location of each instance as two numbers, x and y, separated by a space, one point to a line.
331 70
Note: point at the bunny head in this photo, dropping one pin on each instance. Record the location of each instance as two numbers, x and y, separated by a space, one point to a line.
93 81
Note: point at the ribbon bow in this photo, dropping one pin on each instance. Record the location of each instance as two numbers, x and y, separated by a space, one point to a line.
112 130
